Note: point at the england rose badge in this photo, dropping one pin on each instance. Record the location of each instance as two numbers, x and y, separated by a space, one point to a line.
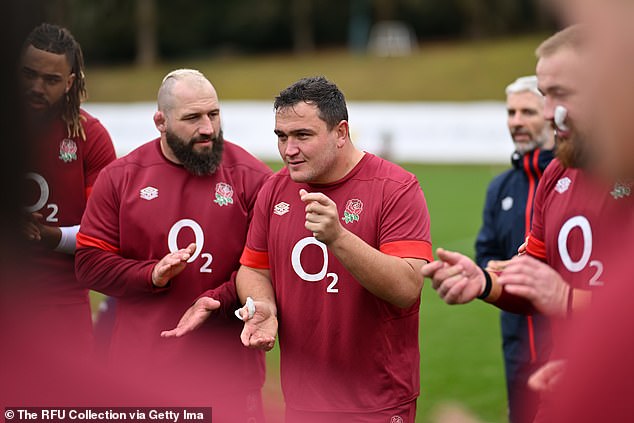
354 207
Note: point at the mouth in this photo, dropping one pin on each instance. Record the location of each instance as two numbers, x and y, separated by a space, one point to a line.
519 137
37 103
293 164
202 143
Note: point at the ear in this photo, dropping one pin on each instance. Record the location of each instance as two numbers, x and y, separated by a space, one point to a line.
160 121
342 131
69 83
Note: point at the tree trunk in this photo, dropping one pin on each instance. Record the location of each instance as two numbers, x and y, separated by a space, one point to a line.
303 37
146 33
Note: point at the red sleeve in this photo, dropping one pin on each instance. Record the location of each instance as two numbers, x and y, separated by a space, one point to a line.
98 264
227 295
536 246
255 252
99 150
404 226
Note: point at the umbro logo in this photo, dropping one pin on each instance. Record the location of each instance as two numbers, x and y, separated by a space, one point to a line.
563 184
148 193
281 208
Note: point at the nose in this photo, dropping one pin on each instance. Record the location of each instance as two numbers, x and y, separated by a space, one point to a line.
206 126
549 108
36 85
516 120
290 148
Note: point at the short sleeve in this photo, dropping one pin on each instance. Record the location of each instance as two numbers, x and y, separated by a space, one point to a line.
255 252
100 223
99 151
404 227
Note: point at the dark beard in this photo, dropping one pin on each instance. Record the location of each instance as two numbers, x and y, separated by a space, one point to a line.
40 120
204 163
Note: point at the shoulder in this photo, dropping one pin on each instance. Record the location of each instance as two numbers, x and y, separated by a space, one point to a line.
91 123
380 169
503 179
142 156
555 174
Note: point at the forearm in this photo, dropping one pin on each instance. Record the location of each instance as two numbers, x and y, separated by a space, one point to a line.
505 301
255 283
113 275
227 295
390 278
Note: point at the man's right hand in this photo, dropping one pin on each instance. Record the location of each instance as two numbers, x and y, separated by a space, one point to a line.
195 316
456 278
171 265
260 330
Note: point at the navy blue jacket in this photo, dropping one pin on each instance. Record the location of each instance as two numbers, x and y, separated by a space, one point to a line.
506 223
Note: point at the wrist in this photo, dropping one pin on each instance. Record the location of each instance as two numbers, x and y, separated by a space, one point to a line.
487 285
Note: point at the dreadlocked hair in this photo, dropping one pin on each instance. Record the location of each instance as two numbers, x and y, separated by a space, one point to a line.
58 40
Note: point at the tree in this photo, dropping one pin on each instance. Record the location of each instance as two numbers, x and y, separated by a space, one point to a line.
146 32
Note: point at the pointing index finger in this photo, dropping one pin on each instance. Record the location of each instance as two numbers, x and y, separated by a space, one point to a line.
319 197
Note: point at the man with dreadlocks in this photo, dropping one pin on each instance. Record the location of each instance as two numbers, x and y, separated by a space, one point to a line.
71 148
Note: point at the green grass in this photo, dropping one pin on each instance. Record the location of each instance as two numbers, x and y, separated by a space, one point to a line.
461 357
435 72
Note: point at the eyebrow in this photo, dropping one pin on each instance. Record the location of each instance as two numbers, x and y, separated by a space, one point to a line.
50 75
294 131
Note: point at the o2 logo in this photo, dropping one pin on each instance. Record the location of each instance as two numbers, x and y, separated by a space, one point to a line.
199 240
577 266
313 277
43 198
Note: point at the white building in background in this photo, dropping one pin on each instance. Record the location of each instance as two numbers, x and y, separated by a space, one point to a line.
418 132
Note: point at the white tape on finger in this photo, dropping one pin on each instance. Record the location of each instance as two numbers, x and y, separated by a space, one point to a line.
250 305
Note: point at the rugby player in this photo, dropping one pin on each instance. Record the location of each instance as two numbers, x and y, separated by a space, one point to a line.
334 251
165 224
71 149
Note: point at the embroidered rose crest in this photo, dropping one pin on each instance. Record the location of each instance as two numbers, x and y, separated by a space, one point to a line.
224 194
353 209
67 150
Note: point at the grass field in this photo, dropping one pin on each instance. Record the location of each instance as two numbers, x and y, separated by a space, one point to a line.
435 72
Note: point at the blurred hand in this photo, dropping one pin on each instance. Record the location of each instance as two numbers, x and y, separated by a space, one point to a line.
497 265
545 379
195 316
539 283
456 278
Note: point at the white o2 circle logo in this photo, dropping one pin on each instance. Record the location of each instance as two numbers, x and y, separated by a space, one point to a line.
199 240
313 277
45 192
583 224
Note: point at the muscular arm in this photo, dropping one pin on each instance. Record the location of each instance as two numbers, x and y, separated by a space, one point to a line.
255 283
260 330
393 279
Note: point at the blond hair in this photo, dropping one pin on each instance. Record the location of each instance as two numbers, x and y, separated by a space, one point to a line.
572 37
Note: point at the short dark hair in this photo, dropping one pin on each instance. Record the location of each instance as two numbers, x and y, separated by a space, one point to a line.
319 91
58 40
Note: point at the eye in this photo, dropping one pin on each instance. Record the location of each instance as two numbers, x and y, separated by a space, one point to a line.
52 80
28 73
303 136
